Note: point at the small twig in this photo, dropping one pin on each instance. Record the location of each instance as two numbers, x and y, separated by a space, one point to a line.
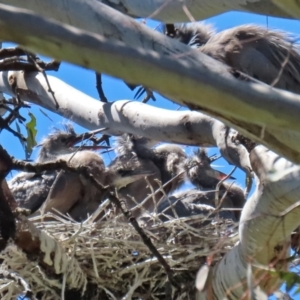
223 197
4 125
33 59
90 135
147 241
103 138
99 88
219 185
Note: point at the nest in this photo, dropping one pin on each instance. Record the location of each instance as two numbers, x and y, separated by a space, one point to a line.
114 257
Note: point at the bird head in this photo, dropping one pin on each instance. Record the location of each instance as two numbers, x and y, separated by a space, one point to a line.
62 142
125 169
194 34
199 170
128 143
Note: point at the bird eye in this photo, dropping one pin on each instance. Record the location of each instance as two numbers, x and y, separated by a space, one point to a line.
63 139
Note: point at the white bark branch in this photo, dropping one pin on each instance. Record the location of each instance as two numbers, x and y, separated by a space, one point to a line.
267 221
163 10
183 127
252 108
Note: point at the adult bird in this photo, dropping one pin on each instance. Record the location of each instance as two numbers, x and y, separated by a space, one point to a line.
206 179
270 56
165 164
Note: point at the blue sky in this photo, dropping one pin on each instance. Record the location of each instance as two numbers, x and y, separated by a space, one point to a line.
115 89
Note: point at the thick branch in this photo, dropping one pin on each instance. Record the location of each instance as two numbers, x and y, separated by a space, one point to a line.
253 106
267 220
184 127
163 10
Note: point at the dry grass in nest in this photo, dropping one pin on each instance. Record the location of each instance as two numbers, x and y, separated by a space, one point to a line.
114 257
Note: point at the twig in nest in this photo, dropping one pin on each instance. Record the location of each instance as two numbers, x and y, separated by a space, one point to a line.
25 166
27 293
147 241
217 202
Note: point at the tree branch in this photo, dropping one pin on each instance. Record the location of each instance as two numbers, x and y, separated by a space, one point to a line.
164 10
252 109
268 218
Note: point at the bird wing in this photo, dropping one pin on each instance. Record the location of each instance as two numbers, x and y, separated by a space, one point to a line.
267 55
64 193
30 190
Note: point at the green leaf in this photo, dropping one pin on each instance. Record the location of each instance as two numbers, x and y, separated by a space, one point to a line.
31 135
291 279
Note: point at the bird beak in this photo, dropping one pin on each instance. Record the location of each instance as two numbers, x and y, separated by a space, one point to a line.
84 136
214 157
129 176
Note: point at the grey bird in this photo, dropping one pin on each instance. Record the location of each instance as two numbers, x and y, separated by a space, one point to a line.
165 163
268 55
206 179
31 189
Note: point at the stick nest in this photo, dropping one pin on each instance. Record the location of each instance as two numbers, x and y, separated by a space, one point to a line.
114 257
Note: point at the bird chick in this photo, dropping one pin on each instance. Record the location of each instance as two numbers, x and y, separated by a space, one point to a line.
164 163
56 189
205 178
31 189
194 35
